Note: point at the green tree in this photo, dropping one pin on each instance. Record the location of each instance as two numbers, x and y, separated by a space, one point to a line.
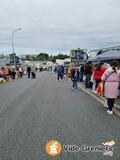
45 56
50 58
27 57
42 56
62 56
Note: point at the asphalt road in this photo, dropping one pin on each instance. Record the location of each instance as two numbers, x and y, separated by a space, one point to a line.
32 112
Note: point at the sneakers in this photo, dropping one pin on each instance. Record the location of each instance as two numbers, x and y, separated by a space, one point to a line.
109 112
74 89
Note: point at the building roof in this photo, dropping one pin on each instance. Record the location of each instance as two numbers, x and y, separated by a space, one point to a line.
108 55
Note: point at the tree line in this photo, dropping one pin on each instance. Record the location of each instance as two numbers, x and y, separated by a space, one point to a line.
44 57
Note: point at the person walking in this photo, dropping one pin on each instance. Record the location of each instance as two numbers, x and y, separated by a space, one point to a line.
20 70
87 73
98 71
81 72
111 78
62 72
33 74
28 71
13 72
58 70
75 78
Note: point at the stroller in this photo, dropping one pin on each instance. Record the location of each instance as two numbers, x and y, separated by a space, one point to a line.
33 75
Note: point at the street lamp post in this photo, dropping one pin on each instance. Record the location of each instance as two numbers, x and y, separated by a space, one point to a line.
12 37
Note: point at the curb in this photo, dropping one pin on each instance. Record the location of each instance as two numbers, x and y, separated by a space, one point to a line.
116 108
100 99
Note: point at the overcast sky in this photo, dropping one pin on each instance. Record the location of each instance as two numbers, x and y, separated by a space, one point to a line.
55 26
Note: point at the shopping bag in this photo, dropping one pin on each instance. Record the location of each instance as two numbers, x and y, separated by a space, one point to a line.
100 88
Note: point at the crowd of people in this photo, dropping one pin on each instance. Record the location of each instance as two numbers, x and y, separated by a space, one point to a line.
101 78
10 72
7 73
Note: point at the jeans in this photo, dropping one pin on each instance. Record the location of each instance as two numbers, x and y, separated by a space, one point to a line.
75 84
58 76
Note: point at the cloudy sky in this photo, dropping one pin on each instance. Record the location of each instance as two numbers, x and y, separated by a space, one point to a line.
55 26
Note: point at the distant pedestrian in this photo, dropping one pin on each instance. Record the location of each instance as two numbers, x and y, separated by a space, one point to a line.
98 71
13 72
36 69
81 72
75 78
111 78
33 74
20 71
41 69
88 73
62 72
29 71
93 81
58 70
69 72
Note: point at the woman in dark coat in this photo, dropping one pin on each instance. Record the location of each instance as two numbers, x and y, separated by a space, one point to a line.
75 78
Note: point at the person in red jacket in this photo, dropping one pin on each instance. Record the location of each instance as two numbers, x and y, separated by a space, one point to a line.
98 71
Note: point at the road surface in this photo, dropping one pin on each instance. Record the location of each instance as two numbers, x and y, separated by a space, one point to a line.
32 112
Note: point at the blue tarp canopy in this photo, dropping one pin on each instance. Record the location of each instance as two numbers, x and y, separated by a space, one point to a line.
107 55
